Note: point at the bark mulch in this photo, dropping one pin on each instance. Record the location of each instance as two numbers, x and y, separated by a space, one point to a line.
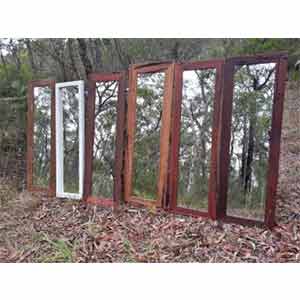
35 229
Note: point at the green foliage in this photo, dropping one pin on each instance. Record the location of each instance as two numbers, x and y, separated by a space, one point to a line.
13 81
62 251
231 47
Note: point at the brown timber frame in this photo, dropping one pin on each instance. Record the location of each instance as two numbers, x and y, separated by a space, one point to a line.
280 59
119 141
168 68
51 189
168 173
175 141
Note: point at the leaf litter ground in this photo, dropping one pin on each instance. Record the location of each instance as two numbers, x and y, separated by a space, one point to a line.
35 229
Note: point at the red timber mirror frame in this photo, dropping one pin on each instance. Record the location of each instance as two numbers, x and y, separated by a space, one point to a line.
108 90
211 185
41 159
273 135
164 73
154 113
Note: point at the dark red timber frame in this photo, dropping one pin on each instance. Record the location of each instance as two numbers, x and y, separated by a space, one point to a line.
168 68
51 189
175 140
280 59
119 142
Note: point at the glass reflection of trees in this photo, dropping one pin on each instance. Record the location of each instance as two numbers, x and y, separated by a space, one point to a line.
196 138
41 136
104 139
70 104
250 137
149 103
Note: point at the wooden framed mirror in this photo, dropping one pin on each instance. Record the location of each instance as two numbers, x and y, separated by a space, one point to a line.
251 130
105 131
41 137
193 176
148 133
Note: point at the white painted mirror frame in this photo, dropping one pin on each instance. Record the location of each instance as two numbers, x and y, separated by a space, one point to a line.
59 139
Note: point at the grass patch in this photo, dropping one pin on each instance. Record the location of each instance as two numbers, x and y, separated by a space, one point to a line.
62 251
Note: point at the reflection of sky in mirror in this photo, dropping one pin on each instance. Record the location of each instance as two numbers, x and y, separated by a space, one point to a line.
195 137
41 135
105 122
193 95
70 99
264 99
149 103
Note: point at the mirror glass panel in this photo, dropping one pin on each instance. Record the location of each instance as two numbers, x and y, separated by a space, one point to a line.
104 138
250 140
149 104
41 136
70 105
196 138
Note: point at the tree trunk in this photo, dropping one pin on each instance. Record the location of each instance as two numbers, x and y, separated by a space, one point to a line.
30 55
244 151
4 64
124 58
248 173
98 54
72 58
83 52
